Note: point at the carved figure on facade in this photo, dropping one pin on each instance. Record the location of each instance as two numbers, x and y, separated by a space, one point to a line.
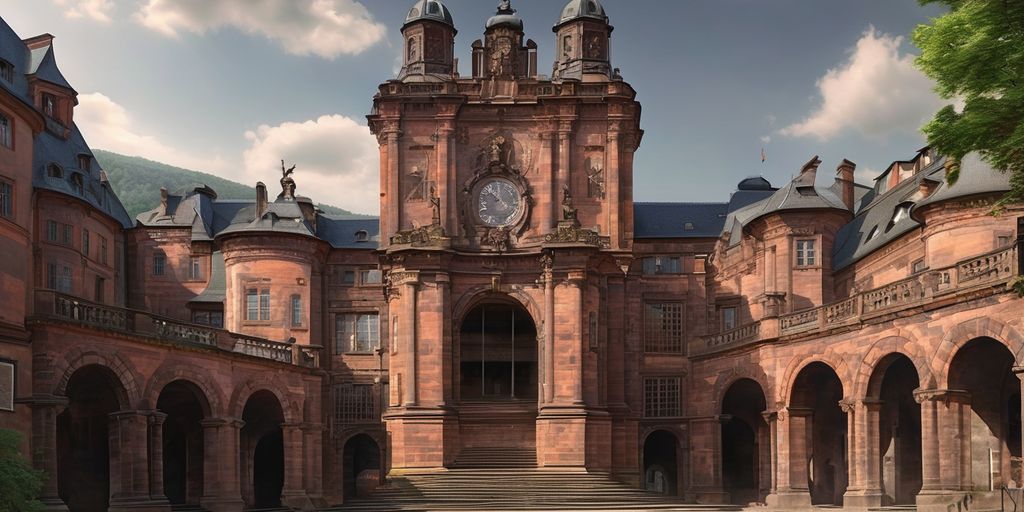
287 182
569 212
498 238
435 203
595 180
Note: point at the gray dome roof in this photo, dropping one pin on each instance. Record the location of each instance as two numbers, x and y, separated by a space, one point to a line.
506 15
432 10
583 9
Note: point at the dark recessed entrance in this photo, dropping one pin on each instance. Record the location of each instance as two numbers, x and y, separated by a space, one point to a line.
498 345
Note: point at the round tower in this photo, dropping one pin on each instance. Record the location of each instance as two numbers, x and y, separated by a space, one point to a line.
583 50
429 34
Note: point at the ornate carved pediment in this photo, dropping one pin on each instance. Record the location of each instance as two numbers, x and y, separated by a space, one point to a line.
571 233
426 236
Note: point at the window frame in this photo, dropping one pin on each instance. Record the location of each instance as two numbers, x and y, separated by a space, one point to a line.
362 275
726 326
103 249
86 242
800 258
6 131
7 204
6 71
195 268
664 406
159 264
50 105
67 235
654 265
295 311
667 342
351 345
78 183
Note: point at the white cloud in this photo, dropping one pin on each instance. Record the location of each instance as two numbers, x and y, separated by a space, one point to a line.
326 28
108 125
337 159
97 10
767 139
876 92
867 175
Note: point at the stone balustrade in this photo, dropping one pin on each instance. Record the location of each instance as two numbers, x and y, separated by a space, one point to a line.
53 306
992 270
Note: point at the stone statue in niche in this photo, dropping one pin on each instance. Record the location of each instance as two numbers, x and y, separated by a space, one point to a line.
498 153
413 51
501 57
567 47
595 47
595 179
569 212
287 183
417 184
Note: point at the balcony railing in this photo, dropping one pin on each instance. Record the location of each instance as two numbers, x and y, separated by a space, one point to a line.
986 271
50 305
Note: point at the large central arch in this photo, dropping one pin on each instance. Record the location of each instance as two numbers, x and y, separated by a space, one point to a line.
497 374
821 450
745 443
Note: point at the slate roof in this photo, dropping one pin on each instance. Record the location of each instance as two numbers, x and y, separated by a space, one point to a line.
216 289
429 10
210 217
50 149
671 220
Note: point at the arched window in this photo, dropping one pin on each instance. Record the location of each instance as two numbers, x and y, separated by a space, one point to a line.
54 171
362 236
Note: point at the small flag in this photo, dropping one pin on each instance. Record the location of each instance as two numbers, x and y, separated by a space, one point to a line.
764 156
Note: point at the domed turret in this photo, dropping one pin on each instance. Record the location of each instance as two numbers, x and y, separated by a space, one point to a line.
502 54
432 10
506 15
576 9
583 51
429 34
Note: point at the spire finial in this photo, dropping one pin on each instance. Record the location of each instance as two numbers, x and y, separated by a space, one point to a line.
505 7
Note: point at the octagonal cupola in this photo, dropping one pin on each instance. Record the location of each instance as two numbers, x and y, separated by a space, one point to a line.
429 34
583 42
503 54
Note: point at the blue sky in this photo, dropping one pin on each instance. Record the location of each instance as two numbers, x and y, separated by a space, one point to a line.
232 86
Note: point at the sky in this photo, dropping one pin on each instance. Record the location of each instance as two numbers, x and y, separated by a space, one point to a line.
231 87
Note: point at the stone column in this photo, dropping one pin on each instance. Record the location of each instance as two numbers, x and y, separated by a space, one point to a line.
794 437
613 194
221 486
394 176
313 445
546 209
930 455
156 455
549 330
293 495
564 161
129 463
445 192
865 489
409 290
765 480
1017 473
771 418
577 280
45 409
945 446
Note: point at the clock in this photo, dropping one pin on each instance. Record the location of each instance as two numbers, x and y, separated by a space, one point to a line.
499 203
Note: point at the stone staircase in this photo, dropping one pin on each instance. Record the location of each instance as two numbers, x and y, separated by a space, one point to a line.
508 480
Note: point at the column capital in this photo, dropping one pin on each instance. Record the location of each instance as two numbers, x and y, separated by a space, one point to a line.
941 395
800 411
770 416
157 418
848 405
118 415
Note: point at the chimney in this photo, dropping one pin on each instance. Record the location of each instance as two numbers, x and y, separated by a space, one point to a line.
261 200
844 178
40 41
809 172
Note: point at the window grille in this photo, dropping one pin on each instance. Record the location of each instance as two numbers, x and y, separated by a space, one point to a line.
662 397
356 333
6 200
353 403
663 328
806 255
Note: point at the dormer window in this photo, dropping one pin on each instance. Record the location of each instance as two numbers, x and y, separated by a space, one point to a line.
85 163
6 71
54 171
873 233
77 185
688 226
362 236
902 212
50 105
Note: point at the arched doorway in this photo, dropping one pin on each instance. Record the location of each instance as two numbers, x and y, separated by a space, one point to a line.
661 463
983 369
361 466
83 454
744 442
262 445
185 406
497 384
892 384
498 354
820 450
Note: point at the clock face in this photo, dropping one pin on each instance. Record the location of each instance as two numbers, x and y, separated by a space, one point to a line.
498 203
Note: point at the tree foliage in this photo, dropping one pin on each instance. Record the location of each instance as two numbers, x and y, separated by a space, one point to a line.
19 483
975 53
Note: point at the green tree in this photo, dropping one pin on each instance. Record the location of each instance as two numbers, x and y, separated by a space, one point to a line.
975 53
19 483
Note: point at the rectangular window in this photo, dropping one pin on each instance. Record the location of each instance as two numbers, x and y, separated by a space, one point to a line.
655 265
728 318
85 242
217 319
296 311
84 163
356 333
348 277
6 132
98 291
196 268
50 105
64 280
265 304
159 264
663 328
103 250
51 231
252 304
69 234
51 276
662 397
919 266
353 403
211 318
6 200
806 256
370 277
6 71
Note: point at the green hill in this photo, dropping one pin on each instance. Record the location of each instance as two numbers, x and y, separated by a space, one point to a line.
137 182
